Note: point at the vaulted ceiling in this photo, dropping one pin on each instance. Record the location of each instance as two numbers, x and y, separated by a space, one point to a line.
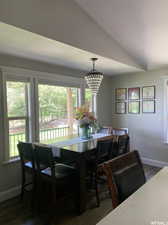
139 26
127 36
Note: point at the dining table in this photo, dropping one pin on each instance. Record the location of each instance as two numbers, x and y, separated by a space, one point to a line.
147 206
77 150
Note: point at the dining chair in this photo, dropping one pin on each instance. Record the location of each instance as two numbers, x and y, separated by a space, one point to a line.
119 131
124 174
102 154
105 130
27 166
121 145
61 178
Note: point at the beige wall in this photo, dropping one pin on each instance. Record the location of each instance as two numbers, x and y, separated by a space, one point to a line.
146 130
13 61
104 103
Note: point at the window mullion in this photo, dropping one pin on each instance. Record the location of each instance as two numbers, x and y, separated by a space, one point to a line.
5 120
27 128
17 118
36 109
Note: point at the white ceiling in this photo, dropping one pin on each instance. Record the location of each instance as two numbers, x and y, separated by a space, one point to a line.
139 26
18 42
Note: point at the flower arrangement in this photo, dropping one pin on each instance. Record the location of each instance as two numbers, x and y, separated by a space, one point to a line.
84 117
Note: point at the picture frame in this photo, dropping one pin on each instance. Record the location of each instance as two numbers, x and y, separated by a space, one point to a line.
133 107
134 93
148 106
120 107
120 94
148 92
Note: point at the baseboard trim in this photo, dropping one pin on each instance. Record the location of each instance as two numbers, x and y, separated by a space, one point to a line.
153 162
10 193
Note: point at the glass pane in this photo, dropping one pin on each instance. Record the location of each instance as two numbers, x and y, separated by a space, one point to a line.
17 132
56 112
88 98
16 98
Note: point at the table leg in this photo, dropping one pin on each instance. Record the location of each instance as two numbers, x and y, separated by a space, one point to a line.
81 164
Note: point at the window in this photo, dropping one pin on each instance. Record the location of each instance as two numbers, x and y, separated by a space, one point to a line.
33 109
56 112
88 99
17 115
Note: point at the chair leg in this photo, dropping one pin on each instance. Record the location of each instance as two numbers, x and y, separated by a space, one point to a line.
34 191
97 191
23 185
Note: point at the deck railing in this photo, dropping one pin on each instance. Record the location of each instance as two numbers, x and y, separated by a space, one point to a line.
53 133
46 136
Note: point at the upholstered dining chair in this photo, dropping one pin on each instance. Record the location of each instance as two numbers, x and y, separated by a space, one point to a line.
119 131
124 174
105 130
121 145
61 178
102 154
26 153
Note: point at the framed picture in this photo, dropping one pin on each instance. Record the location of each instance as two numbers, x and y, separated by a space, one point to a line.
120 107
148 106
120 94
134 107
148 92
134 93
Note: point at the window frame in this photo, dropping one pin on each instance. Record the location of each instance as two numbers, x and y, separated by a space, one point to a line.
33 78
8 119
58 84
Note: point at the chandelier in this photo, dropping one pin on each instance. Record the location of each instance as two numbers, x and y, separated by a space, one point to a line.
94 79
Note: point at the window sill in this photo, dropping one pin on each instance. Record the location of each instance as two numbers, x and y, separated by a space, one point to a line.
15 160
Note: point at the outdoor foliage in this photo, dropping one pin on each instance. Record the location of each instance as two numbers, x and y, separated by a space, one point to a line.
16 98
53 100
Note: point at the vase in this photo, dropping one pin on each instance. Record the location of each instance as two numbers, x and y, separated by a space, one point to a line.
84 132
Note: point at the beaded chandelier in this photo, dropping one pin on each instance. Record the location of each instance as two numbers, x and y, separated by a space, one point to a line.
94 79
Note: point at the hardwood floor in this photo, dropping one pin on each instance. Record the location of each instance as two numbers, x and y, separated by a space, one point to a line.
15 212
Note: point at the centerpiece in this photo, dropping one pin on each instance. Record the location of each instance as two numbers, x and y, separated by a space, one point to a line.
86 120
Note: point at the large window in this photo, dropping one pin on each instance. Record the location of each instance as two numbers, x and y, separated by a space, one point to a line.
17 114
34 109
56 112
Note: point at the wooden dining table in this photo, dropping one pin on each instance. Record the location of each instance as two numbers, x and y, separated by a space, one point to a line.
77 150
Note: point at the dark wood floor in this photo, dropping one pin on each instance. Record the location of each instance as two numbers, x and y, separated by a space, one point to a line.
15 212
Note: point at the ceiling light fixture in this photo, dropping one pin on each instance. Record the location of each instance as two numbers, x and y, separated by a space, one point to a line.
94 79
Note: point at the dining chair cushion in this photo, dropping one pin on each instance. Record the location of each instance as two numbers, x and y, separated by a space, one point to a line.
28 164
128 180
61 171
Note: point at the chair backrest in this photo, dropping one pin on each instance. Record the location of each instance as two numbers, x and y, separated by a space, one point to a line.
44 158
105 130
104 148
123 144
119 131
125 175
26 153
